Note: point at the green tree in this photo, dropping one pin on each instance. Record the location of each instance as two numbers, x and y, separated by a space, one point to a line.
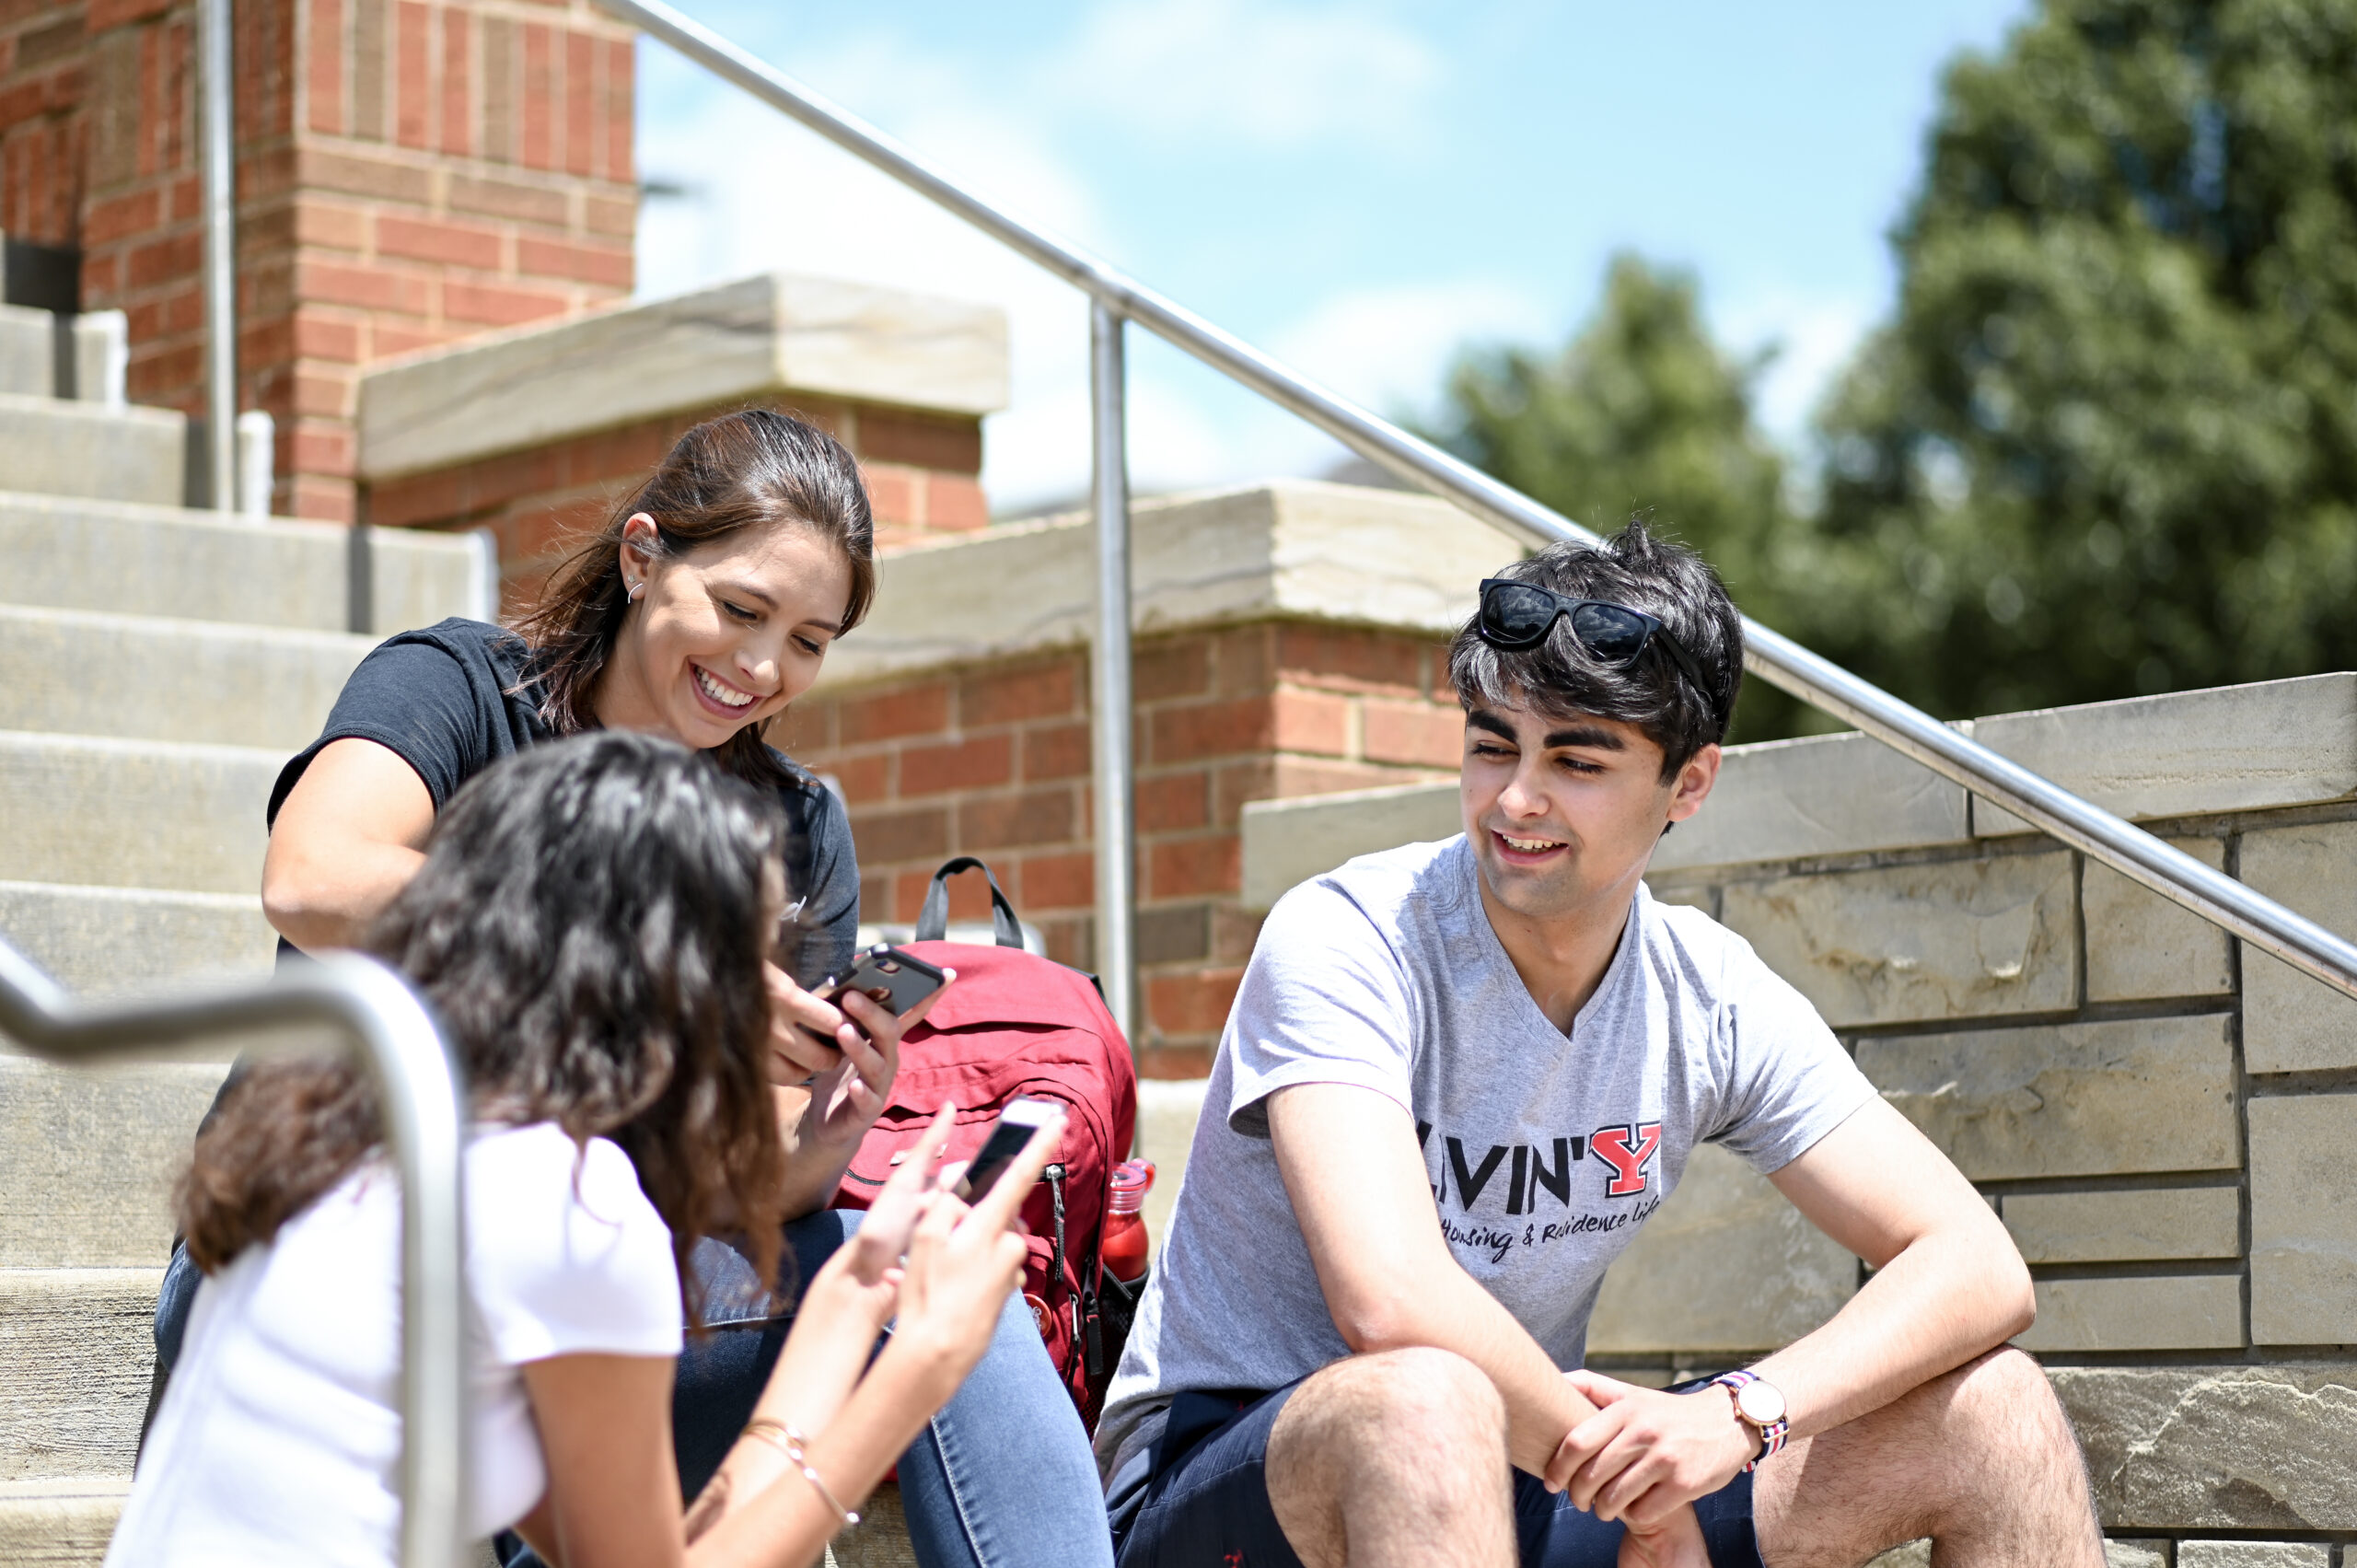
1642 413
2108 442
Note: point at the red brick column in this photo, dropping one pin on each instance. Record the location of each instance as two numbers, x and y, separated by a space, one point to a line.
994 762
409 172
43 67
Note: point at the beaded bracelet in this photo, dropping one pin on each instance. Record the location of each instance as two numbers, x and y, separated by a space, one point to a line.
789 1441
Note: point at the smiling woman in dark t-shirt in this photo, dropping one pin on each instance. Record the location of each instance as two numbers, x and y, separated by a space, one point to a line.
700 611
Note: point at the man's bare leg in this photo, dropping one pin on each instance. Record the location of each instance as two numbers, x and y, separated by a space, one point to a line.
1395 1460
1981 1460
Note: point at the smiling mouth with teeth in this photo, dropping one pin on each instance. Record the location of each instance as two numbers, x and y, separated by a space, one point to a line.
1528 846
726 696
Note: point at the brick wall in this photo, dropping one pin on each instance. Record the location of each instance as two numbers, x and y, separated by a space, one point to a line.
994 762
924 474
42 68
407 173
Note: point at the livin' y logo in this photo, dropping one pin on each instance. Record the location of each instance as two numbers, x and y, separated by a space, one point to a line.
1626 1150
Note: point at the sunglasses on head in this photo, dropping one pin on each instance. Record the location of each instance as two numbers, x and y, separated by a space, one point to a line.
1514 616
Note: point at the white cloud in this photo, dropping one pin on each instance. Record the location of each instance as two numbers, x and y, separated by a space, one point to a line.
1816 337
763 194
780 199
1388 347
1237 71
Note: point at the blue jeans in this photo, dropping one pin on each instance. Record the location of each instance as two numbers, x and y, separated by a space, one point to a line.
1002 1477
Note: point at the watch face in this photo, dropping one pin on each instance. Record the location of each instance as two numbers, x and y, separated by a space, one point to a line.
1760 1403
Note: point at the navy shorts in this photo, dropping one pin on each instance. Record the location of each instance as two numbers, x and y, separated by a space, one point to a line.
1198 1499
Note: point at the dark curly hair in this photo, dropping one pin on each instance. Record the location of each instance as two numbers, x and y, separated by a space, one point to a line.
755 468
590 928
1637 568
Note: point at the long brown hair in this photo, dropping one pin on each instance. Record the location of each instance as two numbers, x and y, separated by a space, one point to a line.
752 469
590 928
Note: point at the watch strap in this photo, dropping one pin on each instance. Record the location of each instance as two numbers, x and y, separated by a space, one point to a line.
1772 1435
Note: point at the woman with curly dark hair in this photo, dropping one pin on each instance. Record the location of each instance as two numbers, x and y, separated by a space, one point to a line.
700 611
591 925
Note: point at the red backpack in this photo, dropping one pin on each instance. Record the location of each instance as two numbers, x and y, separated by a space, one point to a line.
1016 1024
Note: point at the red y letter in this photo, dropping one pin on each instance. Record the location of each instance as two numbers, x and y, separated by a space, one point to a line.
1613 1146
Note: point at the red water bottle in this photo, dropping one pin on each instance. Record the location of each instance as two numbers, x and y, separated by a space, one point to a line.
1125 1239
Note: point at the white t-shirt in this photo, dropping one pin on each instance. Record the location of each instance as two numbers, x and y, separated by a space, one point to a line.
1544 1151
278 1437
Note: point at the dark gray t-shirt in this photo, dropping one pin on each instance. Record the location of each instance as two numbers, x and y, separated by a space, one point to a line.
1544 1153
452 699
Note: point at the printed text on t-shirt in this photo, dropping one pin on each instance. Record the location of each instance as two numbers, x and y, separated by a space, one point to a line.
1625 1152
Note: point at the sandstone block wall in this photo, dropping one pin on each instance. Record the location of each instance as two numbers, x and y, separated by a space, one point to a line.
2163 1119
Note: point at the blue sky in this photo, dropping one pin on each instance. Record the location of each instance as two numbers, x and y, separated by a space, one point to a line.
1357 188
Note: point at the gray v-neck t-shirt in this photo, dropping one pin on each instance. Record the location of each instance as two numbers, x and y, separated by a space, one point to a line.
1544 1151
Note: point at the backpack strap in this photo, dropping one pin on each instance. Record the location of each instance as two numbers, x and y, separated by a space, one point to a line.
933 917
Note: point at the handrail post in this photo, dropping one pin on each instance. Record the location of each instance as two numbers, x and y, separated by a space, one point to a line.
217 152
1110 674
423 1105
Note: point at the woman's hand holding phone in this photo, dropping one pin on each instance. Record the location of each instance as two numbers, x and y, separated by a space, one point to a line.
962 1265
852 1083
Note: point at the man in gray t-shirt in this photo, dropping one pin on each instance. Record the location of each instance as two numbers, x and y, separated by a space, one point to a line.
1458 1078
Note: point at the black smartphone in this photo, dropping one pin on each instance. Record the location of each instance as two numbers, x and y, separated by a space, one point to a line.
896 980
1008 1135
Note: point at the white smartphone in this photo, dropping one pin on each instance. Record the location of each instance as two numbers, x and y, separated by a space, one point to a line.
1008 1135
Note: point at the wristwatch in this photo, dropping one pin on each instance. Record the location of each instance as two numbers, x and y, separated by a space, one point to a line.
1760 1406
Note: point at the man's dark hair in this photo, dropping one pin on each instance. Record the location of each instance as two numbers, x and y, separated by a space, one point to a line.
1560 678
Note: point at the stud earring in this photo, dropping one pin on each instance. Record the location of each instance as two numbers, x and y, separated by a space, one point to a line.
636 589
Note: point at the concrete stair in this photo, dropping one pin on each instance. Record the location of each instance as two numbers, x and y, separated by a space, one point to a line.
76 448
118 558
157 665
147 678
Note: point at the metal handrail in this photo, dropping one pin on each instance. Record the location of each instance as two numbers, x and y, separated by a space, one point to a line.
419 1089
1776 659
218 155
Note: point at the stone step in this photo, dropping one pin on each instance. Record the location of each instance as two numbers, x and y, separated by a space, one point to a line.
121 559
59 1522
157 814
88 1160
27 353
103 941
54 447
84 672
78 1349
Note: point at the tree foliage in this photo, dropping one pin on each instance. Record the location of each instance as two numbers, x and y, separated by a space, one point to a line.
1642 413
2108 442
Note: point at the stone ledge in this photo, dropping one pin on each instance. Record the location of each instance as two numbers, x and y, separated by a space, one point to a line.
1824 794
2272 743
1286 842
754 337
1287 550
